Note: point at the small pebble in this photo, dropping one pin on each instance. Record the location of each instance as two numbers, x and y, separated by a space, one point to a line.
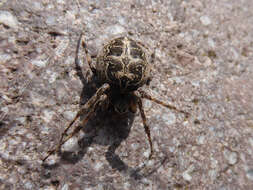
250 174
186 174
213 174
205 20
51 20
71 145
69 115
201 139
48 115
28 185
115 29
169 118
7 19
65 187
4 57
39 63
98 165
230 156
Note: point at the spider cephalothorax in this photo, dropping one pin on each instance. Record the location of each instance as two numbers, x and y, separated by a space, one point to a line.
122 67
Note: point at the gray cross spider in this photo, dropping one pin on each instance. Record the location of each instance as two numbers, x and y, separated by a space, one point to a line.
122 67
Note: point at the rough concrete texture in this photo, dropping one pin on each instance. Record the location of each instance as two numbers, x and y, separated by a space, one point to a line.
204 52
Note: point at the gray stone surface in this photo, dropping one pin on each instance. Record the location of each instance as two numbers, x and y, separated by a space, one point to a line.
204 52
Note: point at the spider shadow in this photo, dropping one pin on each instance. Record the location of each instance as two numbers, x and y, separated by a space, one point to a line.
106 127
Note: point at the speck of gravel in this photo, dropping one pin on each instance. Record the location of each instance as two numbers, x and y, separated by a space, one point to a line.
169 118
147 104
70 15
4 57
214 163
230 156
62 47
60 2
176 141
21 170
98 166
213 174
14 141
13 178
69 115
3 146
51 20
186 174
251 141
39 63
71 145
234 53
29 135
51 76
37 6
69 60
122 20
28 185
171 149
7 19
115 30
201 139
146 153
65 187
52 160
150 163
127 185
250 174
90 149
135 146
211 43
47 115
49 188
205 20
61 92
21 119
145 181
196 154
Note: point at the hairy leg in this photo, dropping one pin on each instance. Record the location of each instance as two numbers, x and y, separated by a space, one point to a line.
87 55
147 96
88 109
146 127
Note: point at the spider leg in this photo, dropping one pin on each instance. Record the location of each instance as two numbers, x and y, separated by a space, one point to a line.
146 127
88 109
87 55
84 121
147 96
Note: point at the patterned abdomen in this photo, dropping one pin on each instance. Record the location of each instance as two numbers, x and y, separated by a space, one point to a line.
123 64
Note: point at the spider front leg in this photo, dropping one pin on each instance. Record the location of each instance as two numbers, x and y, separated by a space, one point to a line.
88 109
87 55
147 96
146 127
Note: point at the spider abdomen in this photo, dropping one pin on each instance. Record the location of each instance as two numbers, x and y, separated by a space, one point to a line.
123 64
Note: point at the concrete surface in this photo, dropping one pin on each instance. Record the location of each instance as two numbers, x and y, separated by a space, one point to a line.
204 51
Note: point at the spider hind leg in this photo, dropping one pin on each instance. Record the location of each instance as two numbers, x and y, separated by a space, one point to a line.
147 96
146 127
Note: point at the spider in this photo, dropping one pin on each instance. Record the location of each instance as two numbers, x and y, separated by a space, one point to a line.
122 67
